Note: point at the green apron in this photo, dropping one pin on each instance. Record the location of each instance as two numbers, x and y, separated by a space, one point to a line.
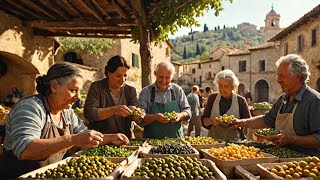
157 130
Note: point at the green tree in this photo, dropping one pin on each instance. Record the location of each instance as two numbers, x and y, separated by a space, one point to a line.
157 18
185 56
198 51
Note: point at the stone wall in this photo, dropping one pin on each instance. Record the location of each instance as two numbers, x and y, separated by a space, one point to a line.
310 53
25 54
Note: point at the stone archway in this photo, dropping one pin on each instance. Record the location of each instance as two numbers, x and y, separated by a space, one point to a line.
241 88
262 91
318 85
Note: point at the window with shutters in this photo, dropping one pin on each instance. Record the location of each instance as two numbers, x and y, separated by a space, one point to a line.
299 43
135 60
286 49
313 37
262 65
242 66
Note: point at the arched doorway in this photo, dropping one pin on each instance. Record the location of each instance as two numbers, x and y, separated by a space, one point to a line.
262 91
241 90
73 58
318 85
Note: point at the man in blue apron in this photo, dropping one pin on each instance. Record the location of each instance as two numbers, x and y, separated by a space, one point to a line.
296 112
160 97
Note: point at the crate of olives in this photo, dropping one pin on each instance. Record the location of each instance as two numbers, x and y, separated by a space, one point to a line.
228 157
172 167
112 153
246 172
203 142
157 142
80 168
134 144
304 169
169 149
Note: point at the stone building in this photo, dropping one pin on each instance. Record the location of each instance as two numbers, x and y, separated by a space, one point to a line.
302 38
254 66
23 55
94 65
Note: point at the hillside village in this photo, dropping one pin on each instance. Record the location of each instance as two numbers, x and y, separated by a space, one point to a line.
254 65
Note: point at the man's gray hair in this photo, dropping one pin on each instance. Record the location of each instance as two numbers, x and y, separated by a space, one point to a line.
297 65
168 65
227 74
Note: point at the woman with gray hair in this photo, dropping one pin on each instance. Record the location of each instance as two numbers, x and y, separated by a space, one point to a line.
41 128
225 101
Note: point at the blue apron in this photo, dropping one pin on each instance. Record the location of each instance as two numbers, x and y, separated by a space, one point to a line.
157 130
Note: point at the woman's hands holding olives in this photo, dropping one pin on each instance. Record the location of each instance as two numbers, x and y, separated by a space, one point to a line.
119 139
87 139
161 118
214 121
122 110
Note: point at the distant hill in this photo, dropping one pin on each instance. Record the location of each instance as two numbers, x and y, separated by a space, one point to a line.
210 39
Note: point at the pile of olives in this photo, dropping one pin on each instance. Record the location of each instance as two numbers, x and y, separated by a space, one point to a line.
200 140
235 152
173 167
283 152
136 112
267 132
136 142
170 115
172 149
225 119
81 168
166 141
107 151
310 167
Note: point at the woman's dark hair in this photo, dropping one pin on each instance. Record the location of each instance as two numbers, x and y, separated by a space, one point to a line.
114 63
60 72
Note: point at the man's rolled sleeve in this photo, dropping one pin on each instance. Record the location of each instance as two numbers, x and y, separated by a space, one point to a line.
270 117
144 97
76 123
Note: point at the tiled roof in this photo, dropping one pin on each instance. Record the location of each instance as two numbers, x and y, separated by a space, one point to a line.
262 46
314 13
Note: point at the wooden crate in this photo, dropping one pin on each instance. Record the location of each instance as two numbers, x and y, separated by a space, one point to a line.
145 144
228 166
178 140
208 146
129 159
246 172
138 162
265 173
115 174
145 153
291 159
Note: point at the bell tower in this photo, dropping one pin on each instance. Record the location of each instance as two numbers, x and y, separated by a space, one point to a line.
272 24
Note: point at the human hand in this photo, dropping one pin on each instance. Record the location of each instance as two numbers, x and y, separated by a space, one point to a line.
87 139
161 118
178 118
280 139
236 123
136 113
122 110
119 139
214 121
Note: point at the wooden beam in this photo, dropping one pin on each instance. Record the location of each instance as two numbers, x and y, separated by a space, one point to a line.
87 4
52 4
39 32
40 8
125 4
15 13
80 23
25 10
95 31
119 10
101 9
66 2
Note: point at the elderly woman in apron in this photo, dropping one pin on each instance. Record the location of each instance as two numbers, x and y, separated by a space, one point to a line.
42 127
226 101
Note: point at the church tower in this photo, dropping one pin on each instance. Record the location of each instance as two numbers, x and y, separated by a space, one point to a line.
272 25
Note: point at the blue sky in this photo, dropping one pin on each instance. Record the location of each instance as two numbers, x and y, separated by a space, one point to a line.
254 12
